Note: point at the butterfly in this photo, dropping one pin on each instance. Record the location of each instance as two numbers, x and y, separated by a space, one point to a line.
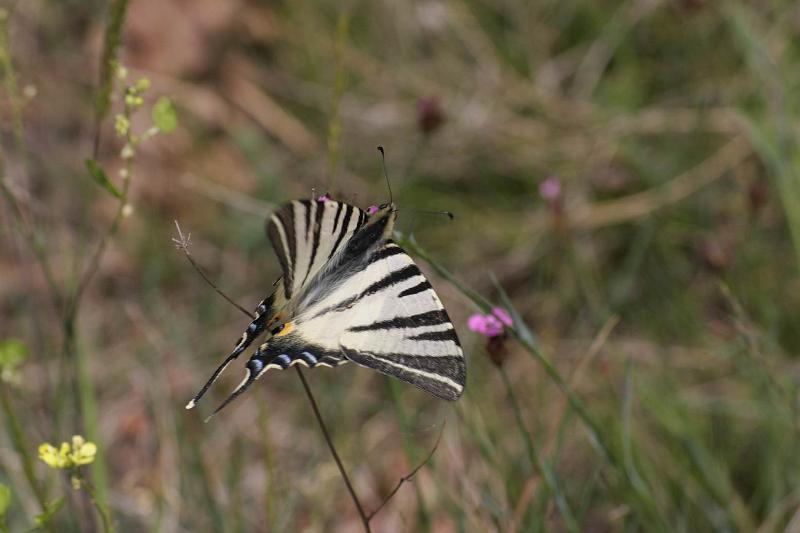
348 293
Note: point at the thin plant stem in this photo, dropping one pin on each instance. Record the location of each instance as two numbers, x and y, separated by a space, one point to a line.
111 42
22 445
410 449
94 262
335 120
33 239
538 461
409 476
100 506
11 85
332 448
15 106
183 243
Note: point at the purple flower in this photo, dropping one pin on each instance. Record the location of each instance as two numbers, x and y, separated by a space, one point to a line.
324 198
550 189
372 209
491 325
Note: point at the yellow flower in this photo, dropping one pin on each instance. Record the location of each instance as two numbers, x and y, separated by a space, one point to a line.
54 457
133 101
122 72
142 85
82 452
68 456
122 125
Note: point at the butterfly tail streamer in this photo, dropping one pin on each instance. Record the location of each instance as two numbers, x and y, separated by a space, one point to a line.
250 377
253 330
214 377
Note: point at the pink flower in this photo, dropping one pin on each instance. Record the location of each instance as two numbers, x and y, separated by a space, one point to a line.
491 325
503 315
372 209
550 189
324 198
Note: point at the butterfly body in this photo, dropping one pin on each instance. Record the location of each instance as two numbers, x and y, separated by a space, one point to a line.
348 293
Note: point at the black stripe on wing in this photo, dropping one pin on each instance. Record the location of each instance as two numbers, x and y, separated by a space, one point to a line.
428 318
339 209
319 209
390 280
422 286
348 213
280 231
385 252
444 335
442 376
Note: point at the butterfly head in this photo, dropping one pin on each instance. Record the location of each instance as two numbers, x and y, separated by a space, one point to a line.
381 210
379 225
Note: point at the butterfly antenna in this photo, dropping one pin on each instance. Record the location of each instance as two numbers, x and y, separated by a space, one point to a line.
386 174
243 386
448 214
214 376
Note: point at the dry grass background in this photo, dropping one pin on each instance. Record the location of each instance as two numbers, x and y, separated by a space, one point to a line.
663 287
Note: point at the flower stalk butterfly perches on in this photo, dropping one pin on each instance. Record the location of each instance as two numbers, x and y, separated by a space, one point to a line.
348 293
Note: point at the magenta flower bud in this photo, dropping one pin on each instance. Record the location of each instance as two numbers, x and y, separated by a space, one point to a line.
430 115
491 325
550 189
502 315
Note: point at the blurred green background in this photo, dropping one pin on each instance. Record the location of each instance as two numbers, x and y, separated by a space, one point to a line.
624 177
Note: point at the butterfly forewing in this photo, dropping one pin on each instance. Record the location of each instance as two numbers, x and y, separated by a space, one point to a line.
306 234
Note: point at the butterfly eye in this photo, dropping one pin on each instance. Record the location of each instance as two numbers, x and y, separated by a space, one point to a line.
383 206
278 328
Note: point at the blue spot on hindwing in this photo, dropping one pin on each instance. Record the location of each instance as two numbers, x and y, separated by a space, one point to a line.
309 358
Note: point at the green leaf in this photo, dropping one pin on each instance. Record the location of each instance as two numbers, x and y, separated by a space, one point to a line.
164 116
5 500
50 511
12 353
99 175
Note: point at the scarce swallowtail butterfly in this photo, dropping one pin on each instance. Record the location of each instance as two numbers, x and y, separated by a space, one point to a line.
348 293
